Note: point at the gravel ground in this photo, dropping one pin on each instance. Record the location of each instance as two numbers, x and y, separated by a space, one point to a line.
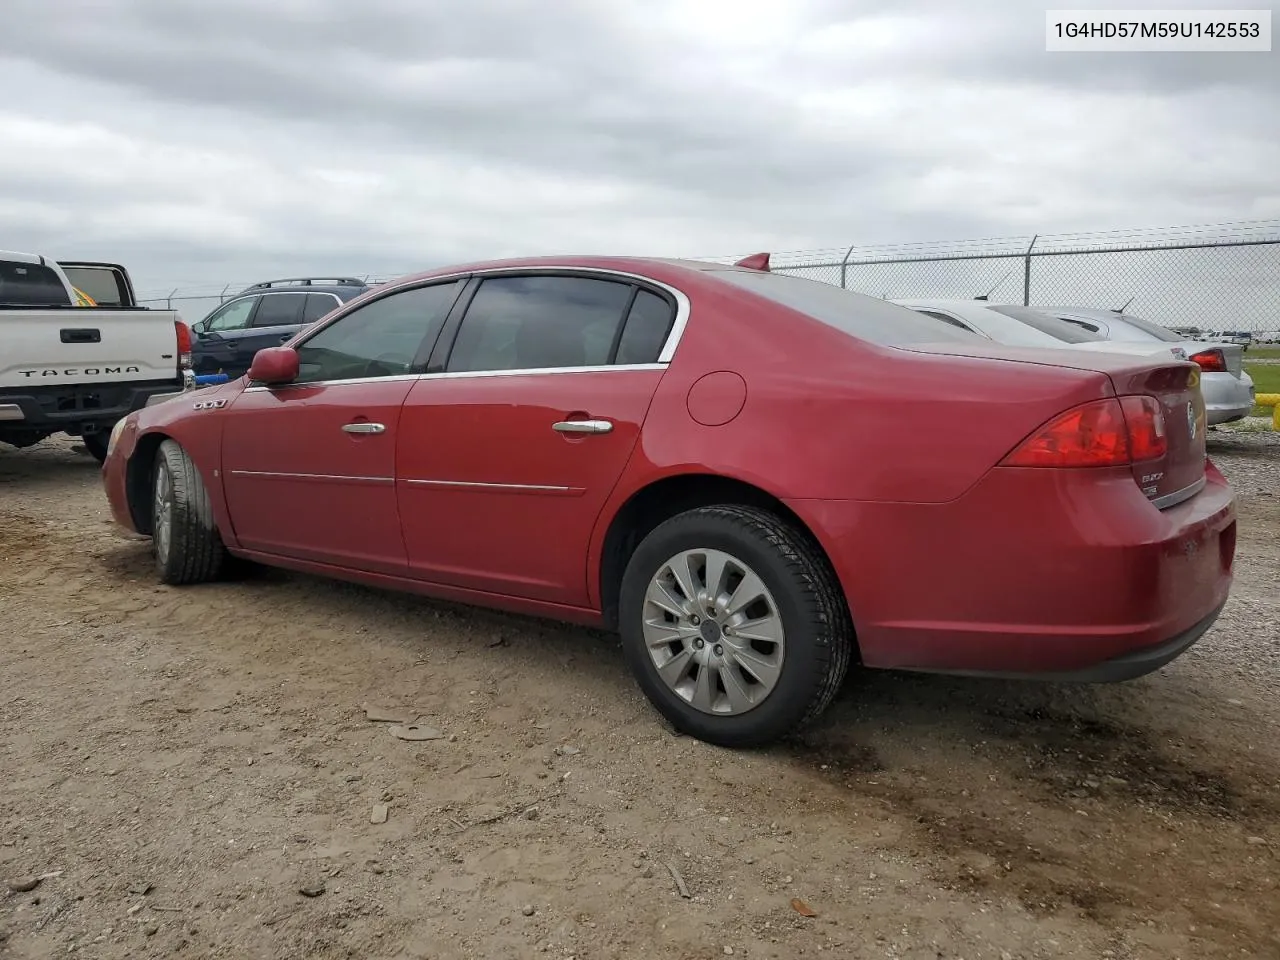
193 773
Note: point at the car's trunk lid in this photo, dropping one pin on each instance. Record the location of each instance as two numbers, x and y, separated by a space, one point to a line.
1173 384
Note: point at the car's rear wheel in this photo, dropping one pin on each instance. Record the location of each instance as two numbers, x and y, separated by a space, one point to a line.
184 536
734 625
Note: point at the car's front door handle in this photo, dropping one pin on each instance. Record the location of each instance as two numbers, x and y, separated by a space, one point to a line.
363 427
582 426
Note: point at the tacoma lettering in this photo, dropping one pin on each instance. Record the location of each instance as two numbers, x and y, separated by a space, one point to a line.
86 372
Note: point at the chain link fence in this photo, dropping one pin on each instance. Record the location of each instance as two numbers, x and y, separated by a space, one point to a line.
1221 278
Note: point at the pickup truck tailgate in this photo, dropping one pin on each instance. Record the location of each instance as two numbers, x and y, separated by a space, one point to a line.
44 347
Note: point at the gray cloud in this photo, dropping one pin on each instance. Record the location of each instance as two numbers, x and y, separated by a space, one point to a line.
241 139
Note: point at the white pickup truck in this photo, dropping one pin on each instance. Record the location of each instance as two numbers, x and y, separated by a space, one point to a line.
77 353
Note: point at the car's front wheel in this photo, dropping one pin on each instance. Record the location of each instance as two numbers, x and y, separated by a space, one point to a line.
734 625
184 536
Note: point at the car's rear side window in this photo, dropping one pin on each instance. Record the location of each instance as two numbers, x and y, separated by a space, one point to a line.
279 310
1057 328
31 285
856 314
648 325
318 305
539 322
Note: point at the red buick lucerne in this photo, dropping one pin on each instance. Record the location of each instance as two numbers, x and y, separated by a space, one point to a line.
754 478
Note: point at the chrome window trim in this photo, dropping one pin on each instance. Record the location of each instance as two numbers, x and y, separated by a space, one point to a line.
465 375
665 355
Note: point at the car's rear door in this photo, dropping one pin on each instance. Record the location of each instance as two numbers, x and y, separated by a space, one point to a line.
511 443
309 467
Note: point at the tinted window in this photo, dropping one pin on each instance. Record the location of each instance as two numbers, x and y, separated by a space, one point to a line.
523 323
379 339
105 285
318 305
646 329
856 314
279 310
234 316
1053 326
944 318
1125 323
31 285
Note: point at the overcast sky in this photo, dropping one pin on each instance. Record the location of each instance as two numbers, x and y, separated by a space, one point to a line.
201 142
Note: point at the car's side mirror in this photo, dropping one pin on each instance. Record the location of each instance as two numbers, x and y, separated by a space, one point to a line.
273 365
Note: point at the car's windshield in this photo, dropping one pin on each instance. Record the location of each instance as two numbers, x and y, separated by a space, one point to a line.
1053 326
856 314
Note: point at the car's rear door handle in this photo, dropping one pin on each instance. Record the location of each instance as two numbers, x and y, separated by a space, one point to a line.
582 426
363 427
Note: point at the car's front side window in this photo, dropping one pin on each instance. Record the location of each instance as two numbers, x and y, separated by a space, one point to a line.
540 322
379 339
234 316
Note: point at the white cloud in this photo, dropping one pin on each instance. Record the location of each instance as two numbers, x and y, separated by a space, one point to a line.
201 142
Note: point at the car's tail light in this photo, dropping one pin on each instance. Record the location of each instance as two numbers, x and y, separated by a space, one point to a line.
184 344
1104 433
1210 361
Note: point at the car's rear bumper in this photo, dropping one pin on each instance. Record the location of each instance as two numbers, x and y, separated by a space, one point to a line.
1059 574
1226 398
78 408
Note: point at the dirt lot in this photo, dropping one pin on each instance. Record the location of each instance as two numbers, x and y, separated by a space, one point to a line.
209 746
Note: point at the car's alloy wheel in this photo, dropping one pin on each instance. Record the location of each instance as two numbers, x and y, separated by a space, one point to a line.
734 624
713 631
184 534
162 514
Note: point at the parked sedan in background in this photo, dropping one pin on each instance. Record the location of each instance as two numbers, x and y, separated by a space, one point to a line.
264 315
1021 326
747 474
1228 389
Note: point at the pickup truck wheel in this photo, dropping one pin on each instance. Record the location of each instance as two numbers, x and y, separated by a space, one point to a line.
184 537
734 625
96 444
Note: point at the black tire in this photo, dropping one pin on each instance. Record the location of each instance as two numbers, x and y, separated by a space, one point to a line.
96 445
193 551
819 636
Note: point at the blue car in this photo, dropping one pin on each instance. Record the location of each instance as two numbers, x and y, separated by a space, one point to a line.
264 315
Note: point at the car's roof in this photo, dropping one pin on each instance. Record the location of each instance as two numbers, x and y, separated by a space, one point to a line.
658 267
952 303
15 257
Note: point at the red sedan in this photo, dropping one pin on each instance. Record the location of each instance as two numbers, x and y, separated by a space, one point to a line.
754 478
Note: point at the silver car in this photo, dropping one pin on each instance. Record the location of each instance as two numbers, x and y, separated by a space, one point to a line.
1228 390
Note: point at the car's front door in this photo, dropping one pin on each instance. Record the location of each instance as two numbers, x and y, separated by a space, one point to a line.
309 467
277 319
507 456
216 346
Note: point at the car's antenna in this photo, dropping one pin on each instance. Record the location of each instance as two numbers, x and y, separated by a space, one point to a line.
987 295
1126 304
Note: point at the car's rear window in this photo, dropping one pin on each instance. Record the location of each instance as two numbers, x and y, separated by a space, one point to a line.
856 314
1154 329
1054 327
31 285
